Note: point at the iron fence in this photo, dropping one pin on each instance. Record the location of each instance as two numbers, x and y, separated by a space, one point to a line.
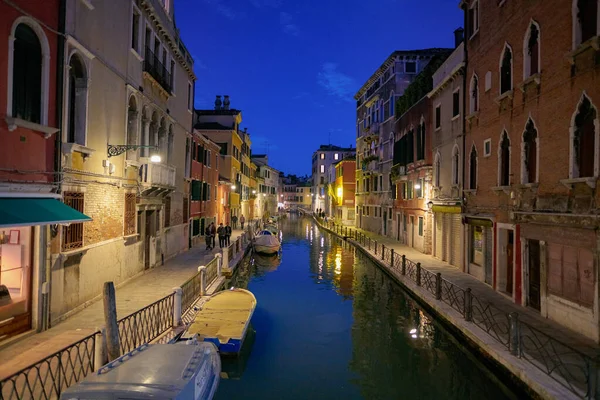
571 368
146 324
48 378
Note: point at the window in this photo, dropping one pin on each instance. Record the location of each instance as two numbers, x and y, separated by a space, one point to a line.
419 188
322 169
506 70
336 156
584 140
476 245
135 30
473 19
571 273
437 170
73 233
322 156
504 161
196 190
532 51
172 76
410 67
473 169
190 99
474 104
487 147
129 215
208 191
420 226
456 103
77 101
438 116
529 164
586 23
28 67
167 211
455 165
421 145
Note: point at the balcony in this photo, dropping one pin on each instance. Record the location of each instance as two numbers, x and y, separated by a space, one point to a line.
159 72
398 171
156 176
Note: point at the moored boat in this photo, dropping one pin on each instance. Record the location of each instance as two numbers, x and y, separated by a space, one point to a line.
224 320
266 242
182 370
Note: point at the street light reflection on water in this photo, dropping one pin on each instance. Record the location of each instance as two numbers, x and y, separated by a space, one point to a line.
330 324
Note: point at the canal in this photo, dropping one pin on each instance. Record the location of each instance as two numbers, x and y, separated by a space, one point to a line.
331 325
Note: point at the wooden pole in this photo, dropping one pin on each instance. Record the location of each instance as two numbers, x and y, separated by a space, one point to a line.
110 321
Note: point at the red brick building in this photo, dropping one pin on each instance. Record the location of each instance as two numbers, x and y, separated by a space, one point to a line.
31 207
412 162
532 158
204 185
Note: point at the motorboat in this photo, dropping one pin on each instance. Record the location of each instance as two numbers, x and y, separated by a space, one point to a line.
266 242
224 320
189 369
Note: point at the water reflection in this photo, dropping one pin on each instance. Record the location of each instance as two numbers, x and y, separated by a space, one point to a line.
329 324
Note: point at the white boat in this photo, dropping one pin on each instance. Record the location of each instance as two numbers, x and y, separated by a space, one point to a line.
266 243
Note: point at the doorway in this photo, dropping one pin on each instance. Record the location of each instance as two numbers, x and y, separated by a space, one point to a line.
412 231
509 261
148 237
505 271
533 265
385 223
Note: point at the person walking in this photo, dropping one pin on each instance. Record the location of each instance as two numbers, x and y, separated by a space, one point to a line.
221 233
228 235
242 220
234 221
208 238
213 232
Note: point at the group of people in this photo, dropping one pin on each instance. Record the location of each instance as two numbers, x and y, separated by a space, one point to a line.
320 212
223 232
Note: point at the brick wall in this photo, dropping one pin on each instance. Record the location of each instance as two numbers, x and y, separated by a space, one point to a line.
105 205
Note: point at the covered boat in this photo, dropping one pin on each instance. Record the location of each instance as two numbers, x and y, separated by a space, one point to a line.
266 242
182 370
224 320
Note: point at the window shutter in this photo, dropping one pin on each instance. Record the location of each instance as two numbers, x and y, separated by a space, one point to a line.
196 190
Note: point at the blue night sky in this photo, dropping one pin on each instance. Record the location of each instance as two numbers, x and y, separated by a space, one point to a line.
293 66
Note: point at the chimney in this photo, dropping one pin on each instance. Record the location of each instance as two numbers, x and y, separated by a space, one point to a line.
459 36
226 102
218 103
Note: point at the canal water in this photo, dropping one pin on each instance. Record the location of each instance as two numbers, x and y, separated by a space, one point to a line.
330 324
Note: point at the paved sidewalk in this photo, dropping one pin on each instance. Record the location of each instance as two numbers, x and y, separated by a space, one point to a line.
134 295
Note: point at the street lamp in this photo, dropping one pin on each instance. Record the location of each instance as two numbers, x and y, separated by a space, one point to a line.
118 149
232 187
254 192
430 205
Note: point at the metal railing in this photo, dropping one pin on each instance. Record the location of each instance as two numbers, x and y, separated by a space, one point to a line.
212 271
571 368
157 70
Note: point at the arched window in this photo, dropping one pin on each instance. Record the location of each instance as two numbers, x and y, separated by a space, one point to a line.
27 75
504 160
437 170
473 169
474 104
132 127
77 102
532 51
530 149
585 20
584 139
455 165
162 139
506 70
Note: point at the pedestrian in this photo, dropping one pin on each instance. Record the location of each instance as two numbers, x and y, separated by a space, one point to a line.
221 233
213 231
228 235
242 220
208 238
234 221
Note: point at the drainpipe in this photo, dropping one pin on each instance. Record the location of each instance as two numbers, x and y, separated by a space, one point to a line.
464 101
60 49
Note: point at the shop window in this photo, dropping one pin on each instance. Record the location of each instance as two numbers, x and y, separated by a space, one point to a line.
129 214
72 237
476 245
571 273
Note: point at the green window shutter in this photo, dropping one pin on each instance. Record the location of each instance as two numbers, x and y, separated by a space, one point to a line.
196 189
204 191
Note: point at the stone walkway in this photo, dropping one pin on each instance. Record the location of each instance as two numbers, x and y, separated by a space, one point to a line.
134 295
544 349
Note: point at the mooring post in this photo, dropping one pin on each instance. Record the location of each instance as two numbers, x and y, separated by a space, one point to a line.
382 251
403 264
110 320
392 258
100 353
468 305
178 294
515 334
418 274
438 286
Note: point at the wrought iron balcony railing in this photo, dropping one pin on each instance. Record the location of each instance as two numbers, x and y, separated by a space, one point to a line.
157 70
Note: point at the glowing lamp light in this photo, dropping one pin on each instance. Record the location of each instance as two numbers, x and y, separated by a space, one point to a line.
254 192
155 158
417 186
340 191
232 187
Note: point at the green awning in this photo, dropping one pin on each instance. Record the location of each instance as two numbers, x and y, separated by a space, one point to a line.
19 211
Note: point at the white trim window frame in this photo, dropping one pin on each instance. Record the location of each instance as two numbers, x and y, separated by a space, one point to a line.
487 148
190 97
512 67
84 58
576 24
437 120
456 165
135 11
45 70
455 116
474 88
528 57
500 163
475 25
524 168
473 149
573 167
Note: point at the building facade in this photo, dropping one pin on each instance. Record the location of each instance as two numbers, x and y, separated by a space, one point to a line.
448 149
30 199
322 175
375 125
268 186
222 126
135 191
532 136
345 183
204 192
